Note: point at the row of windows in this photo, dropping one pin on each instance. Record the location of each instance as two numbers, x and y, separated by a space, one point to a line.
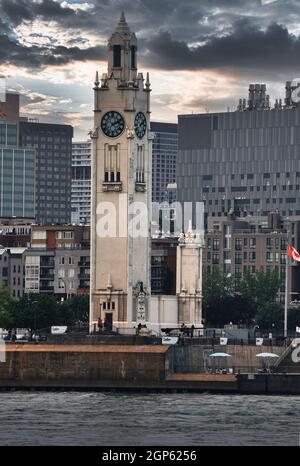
250 176
241 243
108 306
66 260
239 257
235 189
244 202
261 212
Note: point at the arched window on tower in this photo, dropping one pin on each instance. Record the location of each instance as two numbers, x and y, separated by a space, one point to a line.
133 57
117 56
112 164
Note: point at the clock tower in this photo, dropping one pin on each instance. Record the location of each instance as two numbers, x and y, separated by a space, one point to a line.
121 188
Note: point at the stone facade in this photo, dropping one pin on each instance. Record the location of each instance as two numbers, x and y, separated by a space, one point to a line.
121 176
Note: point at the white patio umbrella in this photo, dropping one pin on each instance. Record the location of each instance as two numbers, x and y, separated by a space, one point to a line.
267 355
216 357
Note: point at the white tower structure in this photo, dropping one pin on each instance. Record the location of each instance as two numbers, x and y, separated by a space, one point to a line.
121 188
189 278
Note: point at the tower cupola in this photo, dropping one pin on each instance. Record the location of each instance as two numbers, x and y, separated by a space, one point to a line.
122 48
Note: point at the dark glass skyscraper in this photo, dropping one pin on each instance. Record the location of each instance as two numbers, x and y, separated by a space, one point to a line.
53 145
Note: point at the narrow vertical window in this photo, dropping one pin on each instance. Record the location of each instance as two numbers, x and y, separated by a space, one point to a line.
133 57
117 56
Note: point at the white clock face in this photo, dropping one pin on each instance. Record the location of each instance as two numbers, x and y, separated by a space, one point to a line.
140 125
112 124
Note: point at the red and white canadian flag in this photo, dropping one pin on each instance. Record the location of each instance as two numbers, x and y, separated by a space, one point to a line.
292 252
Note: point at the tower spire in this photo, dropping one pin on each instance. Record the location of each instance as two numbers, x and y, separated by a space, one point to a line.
122 26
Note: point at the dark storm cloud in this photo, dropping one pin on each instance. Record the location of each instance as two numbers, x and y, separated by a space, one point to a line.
236 34
36 57
17 11
246 47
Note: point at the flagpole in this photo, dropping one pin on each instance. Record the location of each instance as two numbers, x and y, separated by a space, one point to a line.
286 296
286 284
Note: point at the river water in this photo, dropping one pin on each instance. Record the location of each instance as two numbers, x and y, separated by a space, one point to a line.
77 418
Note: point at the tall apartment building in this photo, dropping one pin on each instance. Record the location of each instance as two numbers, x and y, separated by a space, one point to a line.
81 182
164 157
53 145
247 160
58 260
12 264
236 244
17 169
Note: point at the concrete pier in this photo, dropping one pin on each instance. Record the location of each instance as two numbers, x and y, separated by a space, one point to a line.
133 367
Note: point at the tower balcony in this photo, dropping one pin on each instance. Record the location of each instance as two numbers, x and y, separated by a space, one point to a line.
140 187
112 186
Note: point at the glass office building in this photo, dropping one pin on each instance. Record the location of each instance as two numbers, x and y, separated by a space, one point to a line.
81 182
17 175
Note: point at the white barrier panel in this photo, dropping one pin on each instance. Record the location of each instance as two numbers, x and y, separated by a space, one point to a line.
58 330
2 350
169 340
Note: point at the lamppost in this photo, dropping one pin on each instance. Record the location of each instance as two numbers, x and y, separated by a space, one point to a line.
33 304
34 307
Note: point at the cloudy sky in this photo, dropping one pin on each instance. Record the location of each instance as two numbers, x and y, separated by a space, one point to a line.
201 54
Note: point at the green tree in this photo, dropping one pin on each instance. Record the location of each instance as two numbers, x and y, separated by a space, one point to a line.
216 286
80 305
6 305
73 310
219 305
253 298
35 311
270 315
262 290
293 318
235 309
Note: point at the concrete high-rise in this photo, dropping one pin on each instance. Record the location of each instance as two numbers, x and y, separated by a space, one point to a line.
247 160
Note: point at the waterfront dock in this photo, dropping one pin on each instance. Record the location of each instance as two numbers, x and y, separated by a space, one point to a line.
138 367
